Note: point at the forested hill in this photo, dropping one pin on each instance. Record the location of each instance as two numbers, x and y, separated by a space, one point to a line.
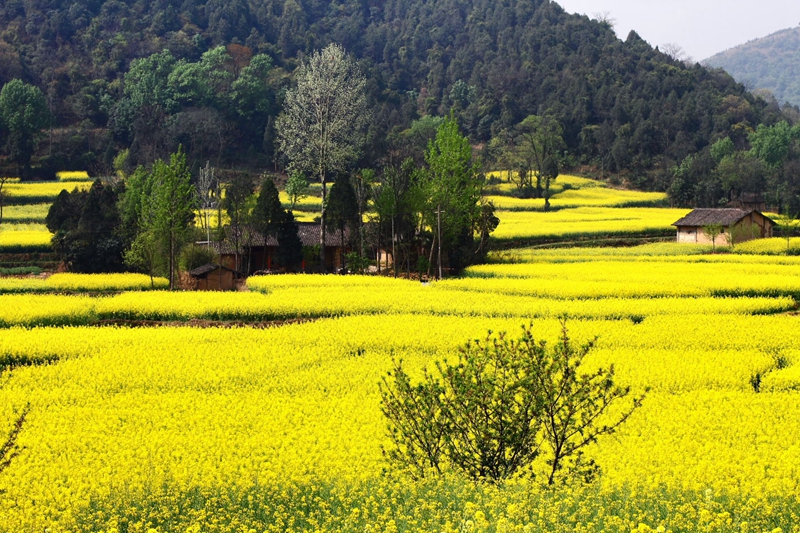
623 106
771 63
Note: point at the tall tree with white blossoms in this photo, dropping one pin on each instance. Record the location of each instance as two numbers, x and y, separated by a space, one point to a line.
321 127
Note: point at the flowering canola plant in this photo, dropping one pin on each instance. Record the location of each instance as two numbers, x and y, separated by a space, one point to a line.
42 191
585 221
69 282
24 238
279 429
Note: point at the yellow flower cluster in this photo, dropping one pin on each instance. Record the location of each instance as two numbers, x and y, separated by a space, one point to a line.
41 191
82 283
280 430
24 237
72 175
586 221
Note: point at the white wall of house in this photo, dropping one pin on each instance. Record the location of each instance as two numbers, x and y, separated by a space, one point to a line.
755 226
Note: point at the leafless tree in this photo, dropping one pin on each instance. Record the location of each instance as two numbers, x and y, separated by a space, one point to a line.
605 17
676 52
207 191
320 129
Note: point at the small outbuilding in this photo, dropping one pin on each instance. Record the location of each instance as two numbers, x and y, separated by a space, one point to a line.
213 278
735 226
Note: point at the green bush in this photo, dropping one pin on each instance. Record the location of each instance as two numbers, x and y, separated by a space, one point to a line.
502 404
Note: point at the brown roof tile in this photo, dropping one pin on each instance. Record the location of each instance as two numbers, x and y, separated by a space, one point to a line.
307 231
707 216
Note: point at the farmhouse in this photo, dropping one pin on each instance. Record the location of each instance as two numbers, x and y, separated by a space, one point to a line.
255 254
735 225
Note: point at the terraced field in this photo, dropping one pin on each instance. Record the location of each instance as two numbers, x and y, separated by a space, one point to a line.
242 428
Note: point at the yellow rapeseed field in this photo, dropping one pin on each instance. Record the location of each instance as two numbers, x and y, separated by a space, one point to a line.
241 429
81 283
30 213
586 221
303 302
35 192
24 237
73 175
279 429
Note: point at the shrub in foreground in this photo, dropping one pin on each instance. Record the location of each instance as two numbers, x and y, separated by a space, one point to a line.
500 406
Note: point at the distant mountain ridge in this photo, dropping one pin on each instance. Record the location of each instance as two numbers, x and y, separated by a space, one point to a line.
772 62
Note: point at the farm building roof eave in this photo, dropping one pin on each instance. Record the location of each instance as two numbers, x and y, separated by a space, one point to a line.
723 216
205 269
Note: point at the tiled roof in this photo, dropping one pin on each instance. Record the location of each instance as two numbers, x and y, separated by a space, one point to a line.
707 217
205 269
307 231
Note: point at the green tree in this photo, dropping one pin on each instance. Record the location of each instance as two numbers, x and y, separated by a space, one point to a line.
23 116
771 143
296 188
168 210
268 214
540 145
237 194
144 255
453 189
141 115
363 183
251 93
712 231
85 229
290 247
342 209
399 199
320 129
504 402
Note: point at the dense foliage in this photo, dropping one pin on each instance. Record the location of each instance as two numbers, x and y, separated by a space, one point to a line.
212 75
85 227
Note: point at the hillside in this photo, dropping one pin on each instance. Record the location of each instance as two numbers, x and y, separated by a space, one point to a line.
771 63
624 107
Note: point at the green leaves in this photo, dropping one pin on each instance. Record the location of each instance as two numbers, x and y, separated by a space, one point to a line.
23 114
503 403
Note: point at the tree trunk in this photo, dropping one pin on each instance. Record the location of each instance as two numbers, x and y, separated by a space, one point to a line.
394 249
439 237
380 229
430 256
322 226
341 250
171 263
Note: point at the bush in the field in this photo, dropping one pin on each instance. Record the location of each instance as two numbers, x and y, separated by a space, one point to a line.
504 402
